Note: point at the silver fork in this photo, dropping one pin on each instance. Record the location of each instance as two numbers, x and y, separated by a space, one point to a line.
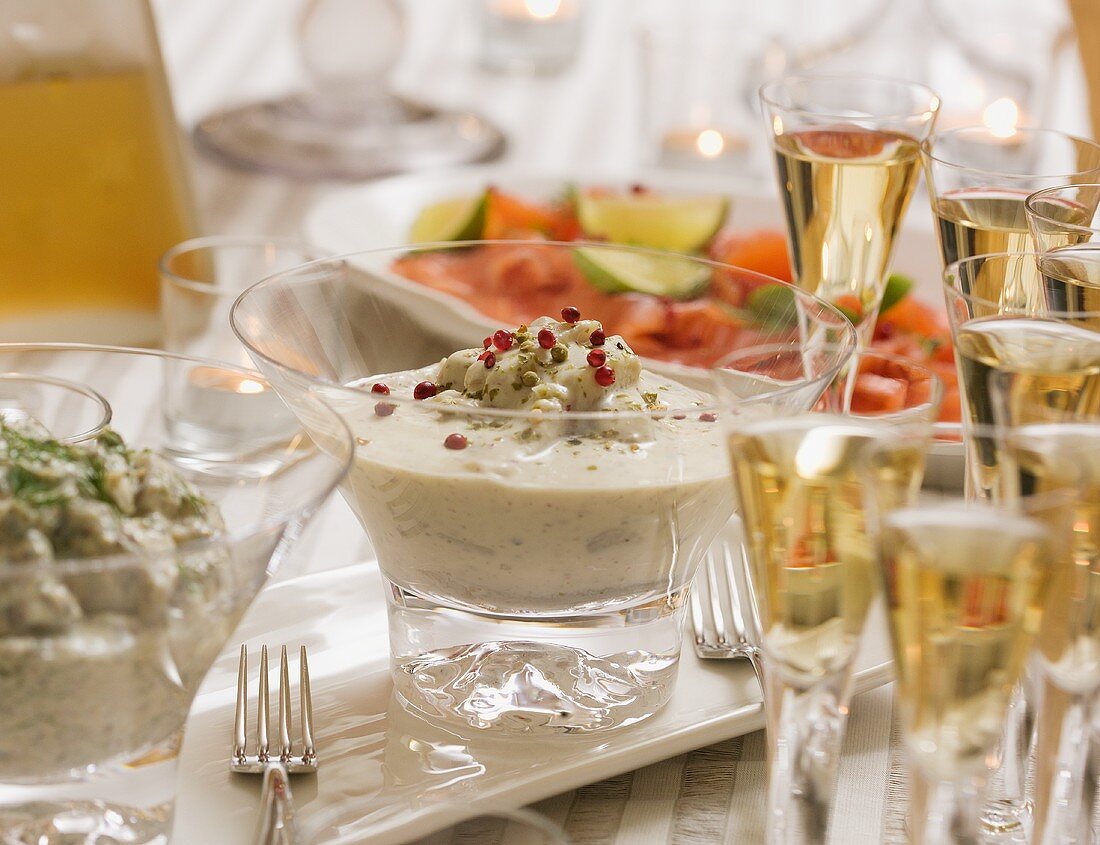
720 617
276 822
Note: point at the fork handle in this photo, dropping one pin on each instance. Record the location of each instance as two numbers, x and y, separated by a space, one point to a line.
276 823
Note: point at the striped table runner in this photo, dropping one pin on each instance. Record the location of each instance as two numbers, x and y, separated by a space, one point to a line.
717 794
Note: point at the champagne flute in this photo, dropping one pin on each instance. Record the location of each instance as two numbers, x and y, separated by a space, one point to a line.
1017 349
1061 450
1021 341
1065 226
799 479
964 583
847 153
979 178
1059 444
1063 216
978 207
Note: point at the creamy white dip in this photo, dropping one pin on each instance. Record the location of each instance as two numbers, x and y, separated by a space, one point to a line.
99 660
487 495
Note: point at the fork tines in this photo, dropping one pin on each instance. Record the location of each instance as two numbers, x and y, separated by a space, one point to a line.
241 760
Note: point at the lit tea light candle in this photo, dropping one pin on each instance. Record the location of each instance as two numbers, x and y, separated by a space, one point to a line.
1001 118
531 35
535 10
217 406
704 147
215 378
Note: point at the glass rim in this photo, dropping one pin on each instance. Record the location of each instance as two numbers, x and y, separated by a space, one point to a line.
1031 210
984 429
932 107
230 537
76 387
952 272
939 389
669 368
1020 504
215 242
927 144
1023 435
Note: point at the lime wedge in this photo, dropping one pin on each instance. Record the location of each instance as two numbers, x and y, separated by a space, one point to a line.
897 288
679 224
773 305
623 271
461 219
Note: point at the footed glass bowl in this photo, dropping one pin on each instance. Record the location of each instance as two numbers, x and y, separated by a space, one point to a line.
540 502
114 603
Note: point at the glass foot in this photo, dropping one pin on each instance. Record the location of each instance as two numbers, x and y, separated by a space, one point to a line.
1005 820
526 687
83 823
588 669
309 138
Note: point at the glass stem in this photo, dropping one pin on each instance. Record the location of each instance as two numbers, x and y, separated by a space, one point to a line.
1015 745
1065 790
942 813
805 730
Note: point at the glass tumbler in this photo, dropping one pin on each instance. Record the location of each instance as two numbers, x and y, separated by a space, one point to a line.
199 281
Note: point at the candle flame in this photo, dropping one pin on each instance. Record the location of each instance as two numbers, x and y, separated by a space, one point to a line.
248 385
710 143
542 9
1001 117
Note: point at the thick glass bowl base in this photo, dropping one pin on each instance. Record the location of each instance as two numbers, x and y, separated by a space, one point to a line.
84 823
541 675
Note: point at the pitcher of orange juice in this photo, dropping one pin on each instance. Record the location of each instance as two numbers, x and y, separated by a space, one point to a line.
93 184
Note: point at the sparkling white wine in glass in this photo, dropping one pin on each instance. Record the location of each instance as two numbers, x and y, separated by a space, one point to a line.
964 591
982 221
801 490
1063 215
1011 366
1071 283
845 191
